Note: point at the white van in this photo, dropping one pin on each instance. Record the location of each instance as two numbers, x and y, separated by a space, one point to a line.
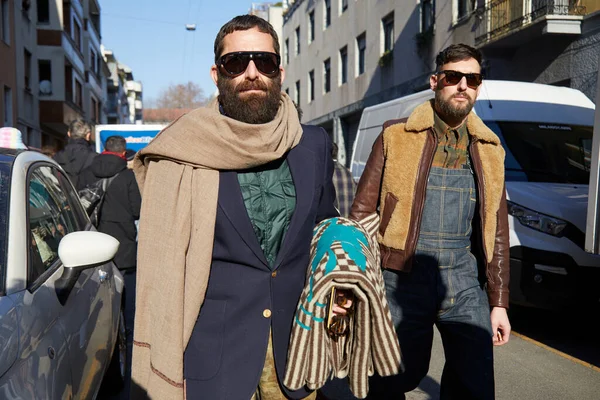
547 134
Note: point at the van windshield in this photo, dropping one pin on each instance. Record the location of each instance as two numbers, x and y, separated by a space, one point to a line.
537 152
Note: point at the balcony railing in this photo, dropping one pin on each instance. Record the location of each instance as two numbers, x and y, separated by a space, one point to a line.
500 17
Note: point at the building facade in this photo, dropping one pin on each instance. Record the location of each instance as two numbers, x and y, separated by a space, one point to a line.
124 94
341 56
69 66
8 63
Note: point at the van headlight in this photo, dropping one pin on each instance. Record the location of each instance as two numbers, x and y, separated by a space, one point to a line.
535 220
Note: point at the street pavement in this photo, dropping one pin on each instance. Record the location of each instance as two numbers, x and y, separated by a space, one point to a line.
525 369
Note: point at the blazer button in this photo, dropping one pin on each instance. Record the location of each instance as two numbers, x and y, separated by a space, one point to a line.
273 274
267 313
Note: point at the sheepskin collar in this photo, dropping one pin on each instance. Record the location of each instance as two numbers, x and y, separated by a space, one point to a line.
422 119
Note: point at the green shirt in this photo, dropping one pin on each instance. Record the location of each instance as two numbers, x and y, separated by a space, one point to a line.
453 145
270 198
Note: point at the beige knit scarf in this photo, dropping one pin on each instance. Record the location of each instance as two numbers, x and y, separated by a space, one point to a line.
178 175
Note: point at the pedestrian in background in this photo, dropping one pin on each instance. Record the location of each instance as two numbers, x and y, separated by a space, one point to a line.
78 154
232 193
437 179
344 184
120 207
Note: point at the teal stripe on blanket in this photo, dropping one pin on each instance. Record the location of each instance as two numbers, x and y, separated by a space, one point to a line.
301 325
305 311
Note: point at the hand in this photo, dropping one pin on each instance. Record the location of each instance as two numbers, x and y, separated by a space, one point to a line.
500 326
343 302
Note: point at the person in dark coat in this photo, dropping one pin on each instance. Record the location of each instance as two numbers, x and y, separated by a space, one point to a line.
78 154
122 201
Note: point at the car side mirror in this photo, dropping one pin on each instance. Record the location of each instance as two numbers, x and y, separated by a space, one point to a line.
79 251
86 249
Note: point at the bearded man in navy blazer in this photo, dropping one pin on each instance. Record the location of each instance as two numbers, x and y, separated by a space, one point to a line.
267 207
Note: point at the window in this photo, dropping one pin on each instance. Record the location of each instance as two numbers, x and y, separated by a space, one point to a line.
327 13
8 117
343 65
327 75
5 21
297 99
78 94
27 68
43 11
94 111
93 61
45 74
361 46
51 216
343 5
311 26
297 41
461 9
286 51
387 28
311 85
77 35
427 15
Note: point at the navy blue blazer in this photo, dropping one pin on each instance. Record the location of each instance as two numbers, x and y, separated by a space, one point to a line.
245 299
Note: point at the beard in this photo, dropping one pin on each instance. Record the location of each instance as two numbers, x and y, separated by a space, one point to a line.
455 112
253 108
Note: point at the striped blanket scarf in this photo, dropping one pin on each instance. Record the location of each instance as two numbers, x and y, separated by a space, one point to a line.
345 255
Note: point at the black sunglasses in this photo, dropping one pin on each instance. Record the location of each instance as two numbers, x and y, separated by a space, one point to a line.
454 77
235 64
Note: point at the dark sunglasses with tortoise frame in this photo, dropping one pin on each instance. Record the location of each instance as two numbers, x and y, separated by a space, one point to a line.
454 77
235 64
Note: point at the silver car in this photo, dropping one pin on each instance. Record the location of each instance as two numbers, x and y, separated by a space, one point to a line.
61 318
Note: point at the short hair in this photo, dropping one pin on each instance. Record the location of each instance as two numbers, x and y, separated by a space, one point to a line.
79 128
116 144
244 23
334 150
49 150
457 52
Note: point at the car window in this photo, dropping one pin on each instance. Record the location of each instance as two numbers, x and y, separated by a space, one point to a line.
50 219
76 208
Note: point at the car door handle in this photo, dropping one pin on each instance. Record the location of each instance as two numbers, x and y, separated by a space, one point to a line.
103 276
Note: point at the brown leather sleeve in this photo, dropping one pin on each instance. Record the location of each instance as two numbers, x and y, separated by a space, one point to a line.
366 199
499 268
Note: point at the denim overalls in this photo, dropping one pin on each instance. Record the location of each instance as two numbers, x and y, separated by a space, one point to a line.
443 289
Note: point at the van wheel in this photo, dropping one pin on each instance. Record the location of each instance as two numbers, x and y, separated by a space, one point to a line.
115 375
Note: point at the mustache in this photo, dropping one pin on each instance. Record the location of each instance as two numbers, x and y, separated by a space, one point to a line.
251 85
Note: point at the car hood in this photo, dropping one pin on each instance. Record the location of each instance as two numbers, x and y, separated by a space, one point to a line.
564 201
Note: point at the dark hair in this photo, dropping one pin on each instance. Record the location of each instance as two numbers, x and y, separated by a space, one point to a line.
334 150
244 23
79 129
129 154
49 150
116 144
457 52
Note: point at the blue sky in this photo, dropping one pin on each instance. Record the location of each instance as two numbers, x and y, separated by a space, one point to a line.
150 37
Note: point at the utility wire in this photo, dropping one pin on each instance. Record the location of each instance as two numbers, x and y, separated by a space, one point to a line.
142 19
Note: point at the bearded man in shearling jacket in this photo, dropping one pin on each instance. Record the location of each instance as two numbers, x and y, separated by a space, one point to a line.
437 179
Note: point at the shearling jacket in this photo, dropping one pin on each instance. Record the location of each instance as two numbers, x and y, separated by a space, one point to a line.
395 180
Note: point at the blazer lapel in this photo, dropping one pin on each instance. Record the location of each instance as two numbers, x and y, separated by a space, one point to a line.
302 167
231 202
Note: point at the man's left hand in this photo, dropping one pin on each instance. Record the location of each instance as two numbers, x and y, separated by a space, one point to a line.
500 326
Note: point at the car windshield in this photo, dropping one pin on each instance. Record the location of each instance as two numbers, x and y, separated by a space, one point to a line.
4 201
537 152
